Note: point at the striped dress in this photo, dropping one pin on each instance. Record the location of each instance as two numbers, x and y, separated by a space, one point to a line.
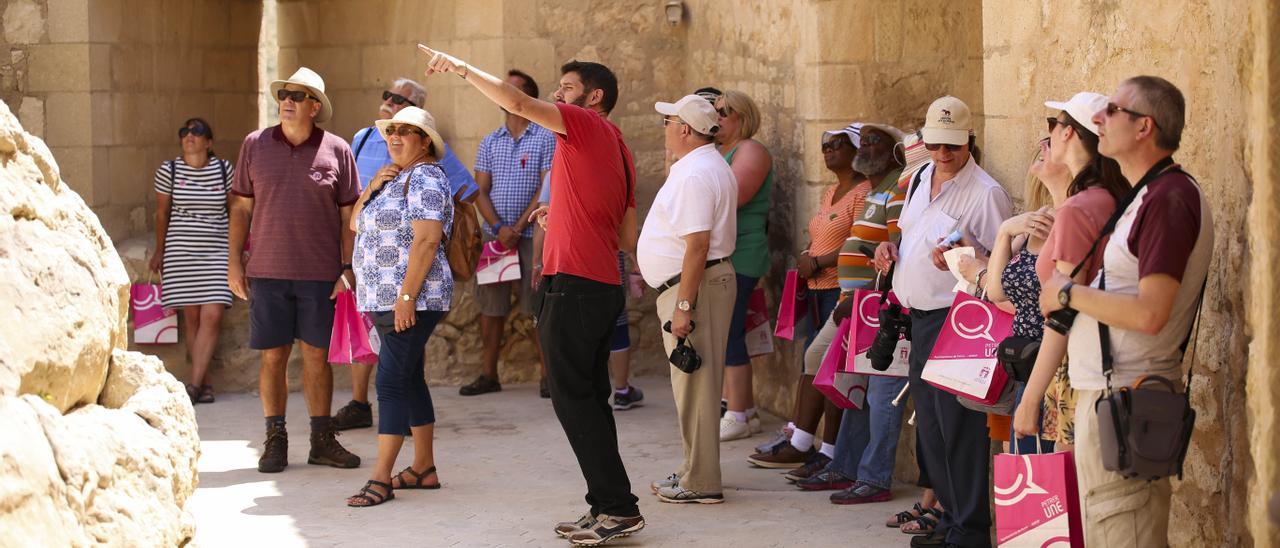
195 246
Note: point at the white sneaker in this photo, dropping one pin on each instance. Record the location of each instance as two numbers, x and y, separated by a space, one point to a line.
754 424
733 430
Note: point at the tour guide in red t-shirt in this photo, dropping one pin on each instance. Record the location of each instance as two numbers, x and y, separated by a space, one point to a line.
593 201
298 184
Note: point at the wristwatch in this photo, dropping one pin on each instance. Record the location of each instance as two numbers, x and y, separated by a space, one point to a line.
683 305
406 297
1064 294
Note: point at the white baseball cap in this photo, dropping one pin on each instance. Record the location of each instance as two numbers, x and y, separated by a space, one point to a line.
948 122
854 131
1082 107
693 110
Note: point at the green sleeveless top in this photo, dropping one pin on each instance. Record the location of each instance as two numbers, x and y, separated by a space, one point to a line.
751 255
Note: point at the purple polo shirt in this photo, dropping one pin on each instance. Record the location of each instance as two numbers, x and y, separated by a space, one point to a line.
297 191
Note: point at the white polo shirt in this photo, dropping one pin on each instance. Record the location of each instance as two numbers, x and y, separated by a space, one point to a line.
973 203
700 194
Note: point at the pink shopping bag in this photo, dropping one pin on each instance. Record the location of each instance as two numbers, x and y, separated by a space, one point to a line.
866 322
846 390
152 323
497 264
963 360
759 336
350 341
793 308
1037 501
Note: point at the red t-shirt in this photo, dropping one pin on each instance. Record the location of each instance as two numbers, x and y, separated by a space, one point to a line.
296 232
589 196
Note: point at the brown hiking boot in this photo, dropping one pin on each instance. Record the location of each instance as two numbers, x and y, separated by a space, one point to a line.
275 451
353 415
482 385
783 456
326 450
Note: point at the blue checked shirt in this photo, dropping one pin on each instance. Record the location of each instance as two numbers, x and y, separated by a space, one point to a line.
373 155
516 168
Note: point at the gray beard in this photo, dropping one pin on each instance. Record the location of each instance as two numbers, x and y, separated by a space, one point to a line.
871 165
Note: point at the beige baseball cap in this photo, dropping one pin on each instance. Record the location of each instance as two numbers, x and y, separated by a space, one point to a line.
693 110
948 122
1082 107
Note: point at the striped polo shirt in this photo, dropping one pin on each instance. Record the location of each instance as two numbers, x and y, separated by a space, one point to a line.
877 223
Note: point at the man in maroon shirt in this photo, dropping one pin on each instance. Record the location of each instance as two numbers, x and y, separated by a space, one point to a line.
298 184
593 213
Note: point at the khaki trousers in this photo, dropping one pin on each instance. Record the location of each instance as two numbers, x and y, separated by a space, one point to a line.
1117 511
697 394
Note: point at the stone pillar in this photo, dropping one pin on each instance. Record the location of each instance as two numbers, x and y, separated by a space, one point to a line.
1263 379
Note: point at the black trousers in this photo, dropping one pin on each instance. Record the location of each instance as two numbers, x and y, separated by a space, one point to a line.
953 444
576 318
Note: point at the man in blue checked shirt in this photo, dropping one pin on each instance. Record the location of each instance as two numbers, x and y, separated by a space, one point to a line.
510 165
370 149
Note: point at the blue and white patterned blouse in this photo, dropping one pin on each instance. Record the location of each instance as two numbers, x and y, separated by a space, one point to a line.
384 233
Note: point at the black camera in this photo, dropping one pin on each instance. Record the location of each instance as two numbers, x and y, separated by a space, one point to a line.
894 324
683 356
1061 320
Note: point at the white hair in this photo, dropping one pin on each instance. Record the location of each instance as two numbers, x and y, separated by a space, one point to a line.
417 93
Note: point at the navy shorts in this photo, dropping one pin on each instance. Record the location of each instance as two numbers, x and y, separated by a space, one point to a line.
736 354
283 310
621 339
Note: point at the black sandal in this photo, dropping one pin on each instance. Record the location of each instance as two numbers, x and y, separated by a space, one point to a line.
926 523
193 392
367 495
905 516
205 394
417 484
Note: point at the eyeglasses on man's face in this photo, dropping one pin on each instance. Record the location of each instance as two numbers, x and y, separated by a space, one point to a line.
397 98
934 147
296 96
1113 108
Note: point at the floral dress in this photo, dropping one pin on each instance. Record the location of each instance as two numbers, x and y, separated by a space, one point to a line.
1022 287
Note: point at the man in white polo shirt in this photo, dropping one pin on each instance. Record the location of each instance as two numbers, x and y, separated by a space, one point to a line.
684 253
950 193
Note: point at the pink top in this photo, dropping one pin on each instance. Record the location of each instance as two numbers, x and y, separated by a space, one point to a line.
1076 225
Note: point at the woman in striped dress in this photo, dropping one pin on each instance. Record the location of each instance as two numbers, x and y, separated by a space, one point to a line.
191 245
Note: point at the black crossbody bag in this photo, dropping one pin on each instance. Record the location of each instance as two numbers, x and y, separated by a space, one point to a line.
1144 429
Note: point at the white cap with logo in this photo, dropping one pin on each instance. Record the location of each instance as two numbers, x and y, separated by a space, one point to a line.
948 122
1082 107
693 110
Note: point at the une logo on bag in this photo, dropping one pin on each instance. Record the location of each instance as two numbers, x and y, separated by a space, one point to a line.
1023 486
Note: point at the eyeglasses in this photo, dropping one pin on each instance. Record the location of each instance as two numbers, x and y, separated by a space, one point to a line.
296 95
1113 108
198 131
1054 121
834 144
397 98
935 146
404 130
872 139
666 121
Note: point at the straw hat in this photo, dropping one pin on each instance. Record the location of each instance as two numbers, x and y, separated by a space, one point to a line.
420 119
307 78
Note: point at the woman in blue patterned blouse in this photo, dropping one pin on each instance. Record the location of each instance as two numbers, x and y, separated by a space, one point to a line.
403 280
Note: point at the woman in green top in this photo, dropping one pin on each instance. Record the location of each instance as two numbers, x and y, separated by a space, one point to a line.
753 168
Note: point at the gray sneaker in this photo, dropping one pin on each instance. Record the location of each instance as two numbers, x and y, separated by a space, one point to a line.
670 481
680 495
605 529
783 436
566 528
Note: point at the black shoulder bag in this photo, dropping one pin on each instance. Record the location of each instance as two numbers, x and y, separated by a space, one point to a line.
1144 431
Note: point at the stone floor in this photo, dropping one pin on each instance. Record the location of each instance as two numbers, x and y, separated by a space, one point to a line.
508 476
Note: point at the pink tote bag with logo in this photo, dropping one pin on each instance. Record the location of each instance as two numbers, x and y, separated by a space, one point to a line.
497 264
152 323
963 360
793 308
866 322
846 390
1037 501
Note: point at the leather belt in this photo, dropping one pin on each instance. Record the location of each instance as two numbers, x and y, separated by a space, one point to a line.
676 279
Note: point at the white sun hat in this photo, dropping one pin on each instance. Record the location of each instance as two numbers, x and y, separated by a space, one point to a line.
420 119
307 78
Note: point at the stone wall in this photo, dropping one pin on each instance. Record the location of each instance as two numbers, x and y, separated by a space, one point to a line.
1035 52
107 83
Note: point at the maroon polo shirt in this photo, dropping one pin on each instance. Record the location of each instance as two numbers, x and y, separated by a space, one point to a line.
297 192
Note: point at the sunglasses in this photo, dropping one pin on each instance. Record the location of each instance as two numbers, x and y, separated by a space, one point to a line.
198 131
404 131
1113 108
724 112
932 147
397 98
1054 122
295 96
834 144
872 138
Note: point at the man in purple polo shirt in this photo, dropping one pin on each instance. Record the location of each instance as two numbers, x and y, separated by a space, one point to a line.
298 183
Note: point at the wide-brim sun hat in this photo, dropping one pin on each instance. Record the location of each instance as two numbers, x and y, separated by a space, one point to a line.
897 134
307 78
1082 106
948 122
420 119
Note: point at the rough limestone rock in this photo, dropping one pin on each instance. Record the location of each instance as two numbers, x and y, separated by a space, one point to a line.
98 445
